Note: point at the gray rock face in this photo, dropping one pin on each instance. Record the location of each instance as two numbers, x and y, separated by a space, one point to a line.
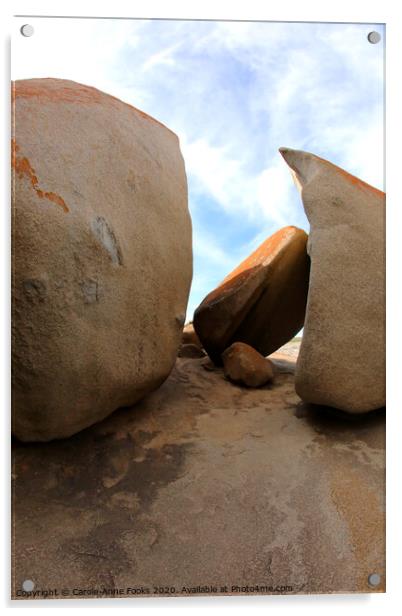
342 355
102 256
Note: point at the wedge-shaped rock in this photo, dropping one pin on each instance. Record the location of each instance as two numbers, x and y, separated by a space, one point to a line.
262 302
342 355
102 256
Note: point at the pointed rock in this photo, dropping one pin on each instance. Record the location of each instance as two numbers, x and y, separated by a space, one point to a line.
342 356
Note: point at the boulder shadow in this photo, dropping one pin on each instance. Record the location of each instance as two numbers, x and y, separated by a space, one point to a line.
332 422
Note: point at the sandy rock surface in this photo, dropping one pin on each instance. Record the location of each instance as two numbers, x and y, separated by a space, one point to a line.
102 256
342 356
191 350
261 302
189 335
205 483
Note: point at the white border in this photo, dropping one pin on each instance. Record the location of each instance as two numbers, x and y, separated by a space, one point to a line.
384 11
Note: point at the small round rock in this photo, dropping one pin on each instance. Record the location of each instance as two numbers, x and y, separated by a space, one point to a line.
244 365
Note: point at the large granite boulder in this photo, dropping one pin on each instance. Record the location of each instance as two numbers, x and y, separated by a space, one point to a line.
102 257
342 355
262 302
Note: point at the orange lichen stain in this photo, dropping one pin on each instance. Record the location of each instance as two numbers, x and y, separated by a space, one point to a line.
353 179
264 254
228 286
267 250
61 90
23 167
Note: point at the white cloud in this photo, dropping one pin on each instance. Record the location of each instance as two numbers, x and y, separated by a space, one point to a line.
164 57
213 170
234 93
274 194
206 247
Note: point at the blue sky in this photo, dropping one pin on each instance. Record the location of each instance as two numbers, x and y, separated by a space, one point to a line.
234 92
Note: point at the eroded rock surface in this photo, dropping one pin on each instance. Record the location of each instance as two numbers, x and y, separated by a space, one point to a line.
189 335
342 356
191 350
102 256
206 483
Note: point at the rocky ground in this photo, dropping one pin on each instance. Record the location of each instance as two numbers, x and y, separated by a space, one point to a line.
205 484
291 348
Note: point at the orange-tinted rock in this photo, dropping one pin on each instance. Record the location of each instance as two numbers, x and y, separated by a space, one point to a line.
244 365
102 256
262 302
189 336
342 355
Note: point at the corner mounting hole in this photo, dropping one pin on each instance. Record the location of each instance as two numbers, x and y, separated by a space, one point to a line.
374 37
374 579
27 30
28 585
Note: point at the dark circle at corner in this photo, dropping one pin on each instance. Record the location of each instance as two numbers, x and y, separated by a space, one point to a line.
374 37
27 30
